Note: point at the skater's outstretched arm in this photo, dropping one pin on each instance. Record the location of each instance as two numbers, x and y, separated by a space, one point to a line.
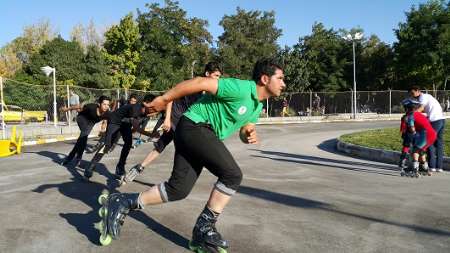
70 108
168 118
185 88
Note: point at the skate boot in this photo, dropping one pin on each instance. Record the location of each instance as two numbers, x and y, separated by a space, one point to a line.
415 170
403 163
115 208
66 161
95 148
133 173
89 171
424 169
205 238
120 173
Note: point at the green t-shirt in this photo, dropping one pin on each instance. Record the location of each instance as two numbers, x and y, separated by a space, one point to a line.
235 105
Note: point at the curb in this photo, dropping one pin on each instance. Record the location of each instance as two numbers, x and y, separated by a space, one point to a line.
374 154
52 140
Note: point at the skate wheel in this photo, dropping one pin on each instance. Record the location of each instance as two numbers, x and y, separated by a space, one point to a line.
102 212
102 198
402 174
105 240
99 226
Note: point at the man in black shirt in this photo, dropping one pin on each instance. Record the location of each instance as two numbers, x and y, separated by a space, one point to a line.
86 119
123 121
169 122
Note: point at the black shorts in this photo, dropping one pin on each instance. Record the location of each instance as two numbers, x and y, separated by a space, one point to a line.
197 146
163 141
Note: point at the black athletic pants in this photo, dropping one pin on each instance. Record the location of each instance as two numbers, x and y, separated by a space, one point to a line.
124 129
197 146
85 129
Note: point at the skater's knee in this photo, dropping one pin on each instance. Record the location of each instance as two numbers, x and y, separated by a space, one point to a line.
170 193
230 183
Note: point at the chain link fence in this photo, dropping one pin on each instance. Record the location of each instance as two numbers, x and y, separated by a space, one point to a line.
332 103
32 105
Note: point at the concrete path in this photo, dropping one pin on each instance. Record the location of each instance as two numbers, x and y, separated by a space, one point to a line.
298 195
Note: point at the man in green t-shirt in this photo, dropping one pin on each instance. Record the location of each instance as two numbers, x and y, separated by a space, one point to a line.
229 105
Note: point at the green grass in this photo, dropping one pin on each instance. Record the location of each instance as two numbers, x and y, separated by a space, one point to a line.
387 138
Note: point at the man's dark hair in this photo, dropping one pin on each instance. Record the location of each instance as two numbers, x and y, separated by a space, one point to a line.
212 67
414 88
103 98
265 67
148 98
132 96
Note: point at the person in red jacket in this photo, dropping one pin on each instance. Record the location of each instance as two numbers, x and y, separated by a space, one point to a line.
423 134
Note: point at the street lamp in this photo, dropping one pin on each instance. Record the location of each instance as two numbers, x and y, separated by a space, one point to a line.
353 38
47 70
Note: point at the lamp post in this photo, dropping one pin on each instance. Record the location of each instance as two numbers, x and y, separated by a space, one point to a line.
192 69
47 70
353 38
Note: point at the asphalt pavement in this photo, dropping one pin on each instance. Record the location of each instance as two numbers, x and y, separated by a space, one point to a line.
298 195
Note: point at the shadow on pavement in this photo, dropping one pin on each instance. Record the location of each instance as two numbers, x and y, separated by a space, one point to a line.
161 230
388 170
299 202
88 192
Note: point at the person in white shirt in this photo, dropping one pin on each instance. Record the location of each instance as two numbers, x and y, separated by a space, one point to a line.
433 109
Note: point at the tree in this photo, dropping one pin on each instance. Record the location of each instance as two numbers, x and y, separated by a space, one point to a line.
122 51
375 65
9 63
324 55
67 57
87 36
32 39
18 51
247 37
295 69
173 46
422 52
96 74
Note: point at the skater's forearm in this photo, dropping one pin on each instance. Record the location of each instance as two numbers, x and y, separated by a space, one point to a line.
70 108
191 86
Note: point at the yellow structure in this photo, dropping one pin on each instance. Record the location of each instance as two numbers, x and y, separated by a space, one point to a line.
12 146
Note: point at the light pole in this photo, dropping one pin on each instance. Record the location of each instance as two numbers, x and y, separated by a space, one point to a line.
47 70
192 69
353 38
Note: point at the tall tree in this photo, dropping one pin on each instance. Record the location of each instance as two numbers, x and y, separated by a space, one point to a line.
173 45
247 37
375 65
97 69
67 57
87 36
295 69
19 51
122 51
325 57
422 52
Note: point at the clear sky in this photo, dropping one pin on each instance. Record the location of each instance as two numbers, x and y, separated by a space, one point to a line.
294 17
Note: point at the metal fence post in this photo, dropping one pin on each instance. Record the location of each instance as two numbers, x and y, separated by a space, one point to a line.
353 97
390 102
118 98
69 119
310 103
2 108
